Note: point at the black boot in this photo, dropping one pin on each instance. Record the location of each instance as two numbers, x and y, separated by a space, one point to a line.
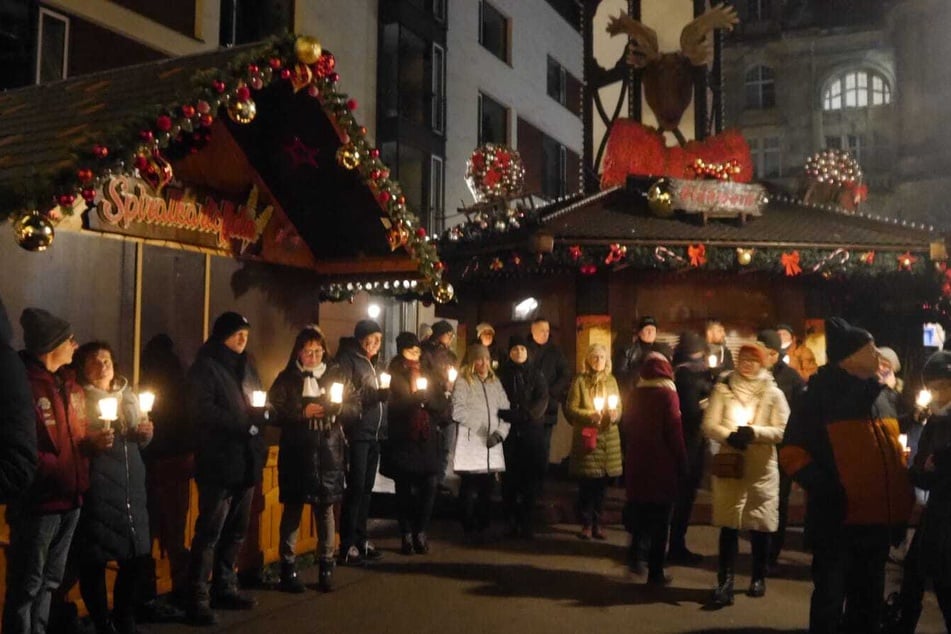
326 576
723 593
290 582
406 547
760 545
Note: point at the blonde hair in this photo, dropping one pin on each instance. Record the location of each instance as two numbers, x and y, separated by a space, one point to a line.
476 351
596 348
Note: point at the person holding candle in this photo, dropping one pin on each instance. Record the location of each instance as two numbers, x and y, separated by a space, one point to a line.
114 522
437 357
476 401
719 357
596 444
747 415
485 334
412 453
229 460
313 453
364 422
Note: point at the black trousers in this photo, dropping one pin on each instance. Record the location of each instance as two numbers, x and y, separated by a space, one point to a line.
591 500
92 588
475 500
848 567
525 463
913 590
687 494
779 537
415 497
650 524
222 524
361 475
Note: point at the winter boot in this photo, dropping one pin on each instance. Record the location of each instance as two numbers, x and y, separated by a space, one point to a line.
290 582
723 593
326 575
760 546
406 547
729 544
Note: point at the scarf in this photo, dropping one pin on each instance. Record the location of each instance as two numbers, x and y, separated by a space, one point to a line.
311 388
749 391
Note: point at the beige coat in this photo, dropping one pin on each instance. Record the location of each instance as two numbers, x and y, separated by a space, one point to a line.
750 502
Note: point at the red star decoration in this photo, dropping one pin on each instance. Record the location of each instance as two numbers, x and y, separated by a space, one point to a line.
301 153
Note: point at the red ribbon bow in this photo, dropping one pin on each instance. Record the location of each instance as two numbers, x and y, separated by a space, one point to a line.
697 254
790 262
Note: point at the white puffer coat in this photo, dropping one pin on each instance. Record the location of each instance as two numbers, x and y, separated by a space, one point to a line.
475 407
750 502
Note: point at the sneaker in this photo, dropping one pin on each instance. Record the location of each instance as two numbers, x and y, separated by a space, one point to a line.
233 600
351 557
370 553
201 614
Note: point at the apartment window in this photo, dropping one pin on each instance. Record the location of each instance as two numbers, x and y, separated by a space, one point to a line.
760 88
493 121
494 31
767 157
854 143
52 51
554 168
856 89
439 10
557 82
437 193
439 89
757 10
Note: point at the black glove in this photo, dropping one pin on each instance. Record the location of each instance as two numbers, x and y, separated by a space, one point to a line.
494 439
746 433
508 415
737 441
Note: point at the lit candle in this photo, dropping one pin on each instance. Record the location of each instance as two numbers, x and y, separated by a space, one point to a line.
258 398
786 359
612 401
742 416
712 361
421 383
146 401
924 398
336 393
599 403
108 411
903 441
453 374
384 380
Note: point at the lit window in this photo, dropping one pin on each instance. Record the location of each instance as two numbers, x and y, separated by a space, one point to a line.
856 89
760 88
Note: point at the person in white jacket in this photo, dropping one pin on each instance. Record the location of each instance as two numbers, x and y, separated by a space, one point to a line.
747 416
477 399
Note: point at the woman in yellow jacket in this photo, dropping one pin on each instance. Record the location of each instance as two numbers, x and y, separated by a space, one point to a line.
593 408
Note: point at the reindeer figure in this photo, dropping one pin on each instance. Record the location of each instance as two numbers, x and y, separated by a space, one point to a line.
668 77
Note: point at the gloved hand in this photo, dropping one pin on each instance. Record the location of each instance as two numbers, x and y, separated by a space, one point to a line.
494 439
746 433
737 441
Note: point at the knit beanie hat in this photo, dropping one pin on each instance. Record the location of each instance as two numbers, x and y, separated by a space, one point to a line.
518 340
645 321
365 328
484 327
691 343
938 366
843 340
770 339
406 340
755 349
785 327
892 357
440 328
227 324
477 351
43 331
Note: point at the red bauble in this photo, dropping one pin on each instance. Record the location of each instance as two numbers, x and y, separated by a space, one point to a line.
163 123
218 85
207 120
84 175
147 136
384 197
334 77
274 63
375 153
188 111
141 162
88 195
421 232
438 266
352 104
65 200
243 93
100 151
285 74
203 107
401 200
252 69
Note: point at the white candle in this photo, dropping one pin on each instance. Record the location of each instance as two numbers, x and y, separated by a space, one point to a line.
336 393
712 361
453 374
924 398
258 398
146 401
903 441
599 403
421 383
612 401
384 380
742 416
109 409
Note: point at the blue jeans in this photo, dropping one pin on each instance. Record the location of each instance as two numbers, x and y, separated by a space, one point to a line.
223 517
36 561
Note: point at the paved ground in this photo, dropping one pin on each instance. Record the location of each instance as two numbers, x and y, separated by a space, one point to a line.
556 583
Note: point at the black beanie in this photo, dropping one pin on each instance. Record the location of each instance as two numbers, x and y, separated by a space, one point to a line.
43 331
365 328
938 366
517 340
770 339
691 343
843 340
440 328
406 340
645 321
227 324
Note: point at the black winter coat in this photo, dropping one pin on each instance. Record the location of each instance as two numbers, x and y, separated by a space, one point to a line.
114 522
219 389
553 365
413 445
934 530
364 409
312 463
17 419
692 379
788 380
528 397
626 366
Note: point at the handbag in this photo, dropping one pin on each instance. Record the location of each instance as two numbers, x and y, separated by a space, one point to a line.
728 465
589 438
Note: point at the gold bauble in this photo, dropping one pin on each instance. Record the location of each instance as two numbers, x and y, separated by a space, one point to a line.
348 156
33 232
660 200
307 49
242 111
444 293
744 256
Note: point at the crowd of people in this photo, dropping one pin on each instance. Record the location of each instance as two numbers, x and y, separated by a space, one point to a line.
78 495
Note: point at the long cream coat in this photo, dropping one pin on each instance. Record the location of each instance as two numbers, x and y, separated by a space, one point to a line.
750 502
475 406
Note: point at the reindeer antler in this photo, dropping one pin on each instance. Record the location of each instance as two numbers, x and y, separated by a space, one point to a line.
642 49
694 43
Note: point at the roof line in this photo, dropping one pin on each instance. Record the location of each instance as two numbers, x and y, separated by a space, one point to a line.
586 200
744 245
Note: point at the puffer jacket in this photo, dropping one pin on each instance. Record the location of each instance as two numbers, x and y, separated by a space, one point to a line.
17 421
364 414
413 422
750 502
312 461
114 524
841 446
62 471
605 459
475 407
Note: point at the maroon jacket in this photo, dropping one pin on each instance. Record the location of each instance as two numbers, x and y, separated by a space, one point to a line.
62 472
656 457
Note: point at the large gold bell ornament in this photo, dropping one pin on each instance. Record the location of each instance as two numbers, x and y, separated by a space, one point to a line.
444 293
33 232
307 49
660 200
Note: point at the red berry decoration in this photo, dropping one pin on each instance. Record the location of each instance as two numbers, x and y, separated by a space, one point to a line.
285 74
243 93
325 65
141 162
384 197
375 153
188 111
147 136
333 77
66 200
401 200
374 175
218 85
438 266
100 151
352 104
89 195
421 232
203 107
84 175
252 69
274 63
163 123
206 120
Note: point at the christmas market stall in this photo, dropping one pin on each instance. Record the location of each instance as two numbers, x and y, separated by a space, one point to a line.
148 200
